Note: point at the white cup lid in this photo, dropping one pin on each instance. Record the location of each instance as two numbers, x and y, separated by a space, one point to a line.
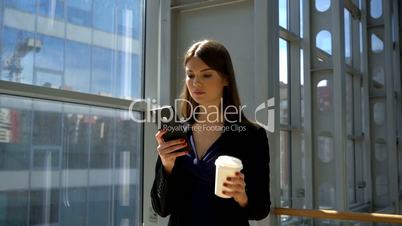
228 161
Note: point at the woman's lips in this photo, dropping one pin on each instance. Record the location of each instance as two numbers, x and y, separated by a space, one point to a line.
198 93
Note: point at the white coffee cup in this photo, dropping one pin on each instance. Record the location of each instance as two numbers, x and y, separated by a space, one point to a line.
226 166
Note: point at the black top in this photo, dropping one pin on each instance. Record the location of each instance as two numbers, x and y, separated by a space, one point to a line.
188 193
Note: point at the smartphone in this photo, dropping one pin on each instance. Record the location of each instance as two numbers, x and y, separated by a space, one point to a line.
167 119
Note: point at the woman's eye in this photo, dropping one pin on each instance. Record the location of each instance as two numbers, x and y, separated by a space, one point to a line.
190 75
207 75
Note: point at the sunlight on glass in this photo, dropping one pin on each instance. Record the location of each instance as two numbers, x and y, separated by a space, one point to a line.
322 5
283 13
376 44
348 40
283 61
375 8
323 41
324 96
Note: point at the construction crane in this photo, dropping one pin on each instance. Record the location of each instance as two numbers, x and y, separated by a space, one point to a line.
13 64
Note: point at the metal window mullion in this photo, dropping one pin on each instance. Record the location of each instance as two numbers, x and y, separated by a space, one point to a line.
164 73
45 93
269 25
296 160
357 111
390 101
366 108
308 45
397 85
339 86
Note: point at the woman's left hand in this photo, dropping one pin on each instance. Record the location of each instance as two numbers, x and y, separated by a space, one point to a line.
236 189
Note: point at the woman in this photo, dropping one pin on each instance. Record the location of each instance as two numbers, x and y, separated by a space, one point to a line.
184 182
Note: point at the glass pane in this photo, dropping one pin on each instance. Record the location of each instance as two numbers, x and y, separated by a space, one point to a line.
128 14
102 71
77 67
283 13
285 169
98 51
351 171
376 8
324 95
283 82
17 55
302 86
349 104
301 19
104 15
377 44
51 53
69 163
379 113
79 12
24 5
51 80
51 8
324 42
322 5
348 38
378 77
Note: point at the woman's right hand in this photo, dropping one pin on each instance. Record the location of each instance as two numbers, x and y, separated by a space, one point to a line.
167 150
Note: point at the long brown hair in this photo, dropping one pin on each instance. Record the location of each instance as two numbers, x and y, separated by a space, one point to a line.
216 56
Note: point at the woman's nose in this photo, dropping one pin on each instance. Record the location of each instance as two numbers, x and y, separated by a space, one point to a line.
196 82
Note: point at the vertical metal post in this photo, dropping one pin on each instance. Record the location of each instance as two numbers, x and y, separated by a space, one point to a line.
339 85
308 45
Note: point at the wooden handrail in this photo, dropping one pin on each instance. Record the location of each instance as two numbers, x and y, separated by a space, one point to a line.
341 215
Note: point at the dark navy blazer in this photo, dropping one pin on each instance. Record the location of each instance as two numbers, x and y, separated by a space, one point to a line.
187 195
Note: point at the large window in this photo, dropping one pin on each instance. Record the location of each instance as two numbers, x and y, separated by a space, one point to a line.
68 51
69 149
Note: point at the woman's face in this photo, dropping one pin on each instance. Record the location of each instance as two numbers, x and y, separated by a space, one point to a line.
204 84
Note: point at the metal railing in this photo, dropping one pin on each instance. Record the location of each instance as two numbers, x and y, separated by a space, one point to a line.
340 215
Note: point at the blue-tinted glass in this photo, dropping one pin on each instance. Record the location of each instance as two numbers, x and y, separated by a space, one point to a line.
61 189
15 138
102 71
128 79
73 211
51 8
123 214
77 72
51 53
44 207
79 12
283 13
104 15
129 18
17 55
99 213
24 5
48 79
348 40
46 125
127 142
14 207
102 130
77 123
